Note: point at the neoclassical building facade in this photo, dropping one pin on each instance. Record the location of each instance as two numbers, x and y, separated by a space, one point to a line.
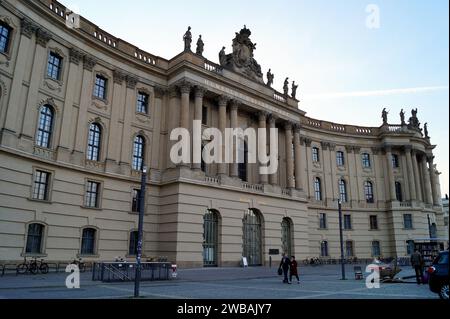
82 112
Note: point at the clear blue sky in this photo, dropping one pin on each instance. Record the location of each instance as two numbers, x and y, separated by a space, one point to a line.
346 71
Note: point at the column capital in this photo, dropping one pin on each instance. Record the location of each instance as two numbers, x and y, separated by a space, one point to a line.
75 55
332 146
263 115
288 125
376 150
89 62
305 140
131 82
119 76
223 100
185 87
273 119
388 148
234 104
27 27
349 148
159 91
325 145
173 91
407 148
42 37
200 91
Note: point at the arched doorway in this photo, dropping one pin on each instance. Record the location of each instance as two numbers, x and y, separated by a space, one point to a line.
210 238
252 249
286 236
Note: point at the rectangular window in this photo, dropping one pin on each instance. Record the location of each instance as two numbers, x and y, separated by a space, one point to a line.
100 87
132 249
54 66
5 32
142 103
204 115
41 185
340 158
376 252
409 247
407 221
347 222
373 222
315 155
349 248
395 162
136 202
92 194
365 160
323 221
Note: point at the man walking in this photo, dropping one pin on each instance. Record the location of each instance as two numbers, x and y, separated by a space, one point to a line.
417 263
284 264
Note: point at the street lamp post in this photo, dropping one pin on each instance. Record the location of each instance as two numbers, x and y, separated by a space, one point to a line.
341 239
137 278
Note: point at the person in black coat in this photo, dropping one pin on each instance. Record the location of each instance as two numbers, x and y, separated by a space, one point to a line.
284 265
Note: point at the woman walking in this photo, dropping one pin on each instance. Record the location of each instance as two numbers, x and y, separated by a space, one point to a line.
293 270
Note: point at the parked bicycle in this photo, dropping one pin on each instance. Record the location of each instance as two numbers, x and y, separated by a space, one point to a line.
81 265
32 266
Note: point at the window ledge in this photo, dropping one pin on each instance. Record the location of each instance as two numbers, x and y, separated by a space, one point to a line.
92 208
32 255
374 229
43 201
88 256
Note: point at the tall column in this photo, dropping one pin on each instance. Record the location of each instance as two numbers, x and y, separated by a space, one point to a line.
86 99
410 172
198 109
298 160
262 143
289 155
67 120
40 57
129 110
327 180
173 120
15 110
117 103
433 181
426 180
223 101
273 178
185 89
234 124
417 182
390 172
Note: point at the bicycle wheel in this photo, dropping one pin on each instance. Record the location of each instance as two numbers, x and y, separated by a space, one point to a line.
22 268
44 268
33 268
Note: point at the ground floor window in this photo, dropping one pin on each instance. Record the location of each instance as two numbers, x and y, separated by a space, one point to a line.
252 237
210 238
34 238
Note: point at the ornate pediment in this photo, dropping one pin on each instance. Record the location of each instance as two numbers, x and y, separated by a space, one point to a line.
241 60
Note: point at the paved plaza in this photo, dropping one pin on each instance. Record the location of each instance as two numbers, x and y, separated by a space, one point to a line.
317 282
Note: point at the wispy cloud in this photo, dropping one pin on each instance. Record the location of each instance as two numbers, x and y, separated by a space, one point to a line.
415 90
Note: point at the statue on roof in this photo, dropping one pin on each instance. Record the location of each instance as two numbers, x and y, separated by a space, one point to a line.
384 115
270 77
286 87
200 46
414 123
402 117
187 38
294 89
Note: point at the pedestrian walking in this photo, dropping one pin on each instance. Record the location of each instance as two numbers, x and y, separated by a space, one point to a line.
417 263
293 270
284 265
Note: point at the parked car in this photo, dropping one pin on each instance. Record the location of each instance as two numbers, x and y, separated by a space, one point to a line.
438 275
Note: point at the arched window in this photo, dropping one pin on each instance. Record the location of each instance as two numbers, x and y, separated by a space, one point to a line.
94 142
34 238
368 191
134 237
324 248
398 191
252 237
342 191
45 126
286 236
210 238
88 241
138 153
318 189
242 161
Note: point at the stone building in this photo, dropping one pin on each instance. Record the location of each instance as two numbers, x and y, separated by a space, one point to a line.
82 112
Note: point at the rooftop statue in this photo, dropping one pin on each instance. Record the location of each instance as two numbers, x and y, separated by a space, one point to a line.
294 89
286 87
241 60
414 123
200 46
402 117
384 115
187 38
425 130
270 77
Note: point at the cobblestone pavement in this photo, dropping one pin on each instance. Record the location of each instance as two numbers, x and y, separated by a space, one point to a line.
317 282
